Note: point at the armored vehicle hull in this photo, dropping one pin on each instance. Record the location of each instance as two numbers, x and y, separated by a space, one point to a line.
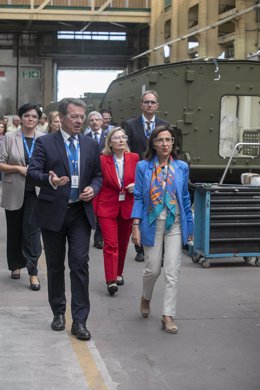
214 105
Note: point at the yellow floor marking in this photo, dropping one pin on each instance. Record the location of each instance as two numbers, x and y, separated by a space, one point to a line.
89 368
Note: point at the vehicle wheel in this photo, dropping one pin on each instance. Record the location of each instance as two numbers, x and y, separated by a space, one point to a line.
205 263
196 258
257 262
247 258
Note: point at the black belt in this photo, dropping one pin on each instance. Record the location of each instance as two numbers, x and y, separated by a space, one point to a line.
74 204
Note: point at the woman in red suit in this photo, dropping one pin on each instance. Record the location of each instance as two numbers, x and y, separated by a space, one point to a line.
114 204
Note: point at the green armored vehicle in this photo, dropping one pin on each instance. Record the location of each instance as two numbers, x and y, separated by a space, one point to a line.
213 104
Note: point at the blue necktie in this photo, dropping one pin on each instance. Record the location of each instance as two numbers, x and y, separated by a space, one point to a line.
74 192
96 137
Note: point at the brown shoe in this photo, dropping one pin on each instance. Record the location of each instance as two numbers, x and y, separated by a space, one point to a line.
169 325
145 307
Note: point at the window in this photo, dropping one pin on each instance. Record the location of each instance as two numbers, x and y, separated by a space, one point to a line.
92 35
193 17
239 122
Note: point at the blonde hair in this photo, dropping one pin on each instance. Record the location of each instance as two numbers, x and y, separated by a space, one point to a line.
108 150
52 115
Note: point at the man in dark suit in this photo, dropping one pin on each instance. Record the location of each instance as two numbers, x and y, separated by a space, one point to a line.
95 129
95 121
66 167
139 130
106 118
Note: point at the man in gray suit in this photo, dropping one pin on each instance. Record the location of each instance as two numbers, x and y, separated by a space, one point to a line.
139 130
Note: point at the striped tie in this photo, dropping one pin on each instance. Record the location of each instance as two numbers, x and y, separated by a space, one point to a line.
148 130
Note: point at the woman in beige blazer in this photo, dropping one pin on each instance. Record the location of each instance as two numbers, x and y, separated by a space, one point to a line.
18 196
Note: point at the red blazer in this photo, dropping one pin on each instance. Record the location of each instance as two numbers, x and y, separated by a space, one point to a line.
107 202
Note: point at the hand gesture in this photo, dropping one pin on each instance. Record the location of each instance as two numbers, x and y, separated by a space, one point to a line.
58 181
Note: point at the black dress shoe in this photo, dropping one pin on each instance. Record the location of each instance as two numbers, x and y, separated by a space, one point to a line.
80 330
99 244
139 257
120 280
112 288
58 322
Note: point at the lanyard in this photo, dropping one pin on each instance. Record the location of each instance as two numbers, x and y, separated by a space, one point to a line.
70 156
28 151
121 178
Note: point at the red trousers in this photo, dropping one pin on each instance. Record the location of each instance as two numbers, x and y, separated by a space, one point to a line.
116 233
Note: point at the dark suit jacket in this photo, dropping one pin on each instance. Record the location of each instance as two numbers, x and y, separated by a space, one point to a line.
107 201
50 155
102 141
136 137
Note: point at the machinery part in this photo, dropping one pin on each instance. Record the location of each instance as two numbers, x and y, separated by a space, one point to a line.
205 263
196 258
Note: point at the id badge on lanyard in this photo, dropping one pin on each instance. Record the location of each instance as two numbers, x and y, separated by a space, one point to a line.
121 197
122 192
74 181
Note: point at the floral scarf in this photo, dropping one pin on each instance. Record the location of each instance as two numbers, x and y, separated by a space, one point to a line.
161 196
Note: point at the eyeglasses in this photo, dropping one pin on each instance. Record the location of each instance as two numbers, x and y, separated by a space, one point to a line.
161 141
76 117
107 119
118 138
147 102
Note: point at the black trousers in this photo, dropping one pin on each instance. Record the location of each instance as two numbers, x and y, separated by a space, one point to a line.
23 236
76 231
98 234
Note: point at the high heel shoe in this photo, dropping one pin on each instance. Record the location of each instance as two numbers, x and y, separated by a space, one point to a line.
35 286
169 325
145 307
15 274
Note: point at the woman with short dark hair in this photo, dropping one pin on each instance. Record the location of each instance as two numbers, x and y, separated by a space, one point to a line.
162 219
18 196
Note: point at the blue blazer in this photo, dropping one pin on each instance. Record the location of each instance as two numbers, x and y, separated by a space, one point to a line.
143 179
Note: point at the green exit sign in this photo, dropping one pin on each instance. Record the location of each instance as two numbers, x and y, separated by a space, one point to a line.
31 74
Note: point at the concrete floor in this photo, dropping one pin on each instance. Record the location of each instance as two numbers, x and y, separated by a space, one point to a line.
217 347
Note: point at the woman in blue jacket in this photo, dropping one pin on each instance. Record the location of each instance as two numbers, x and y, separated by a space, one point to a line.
162 219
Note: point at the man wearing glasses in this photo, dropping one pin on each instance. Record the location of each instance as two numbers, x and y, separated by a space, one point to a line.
139 130
66 167
107 118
